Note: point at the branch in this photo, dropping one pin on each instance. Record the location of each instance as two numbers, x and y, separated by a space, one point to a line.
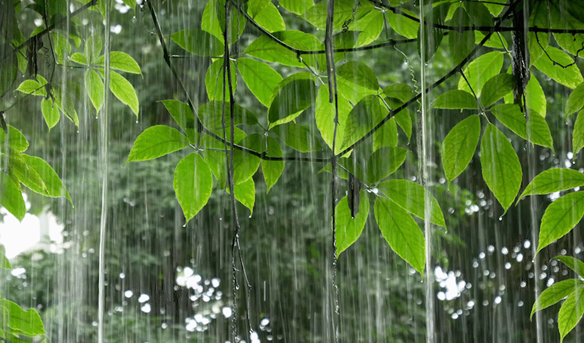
455 70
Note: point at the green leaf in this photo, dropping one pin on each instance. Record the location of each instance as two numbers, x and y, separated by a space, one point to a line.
11 197
62 46
270 18
480 70
411 197
17 140
297 6
573 263
254 7
555 293
384 162
295 96
50 113
199 42
260 78
25 173
130 3
386 135
265 48
124 91
500 166
459 146
94 87
363 117
538 42
348 228
79 58
93 46
245 194
356 80
534 96
455 99
157 141
272 170
325 116
32 87
54 185
576 100
211 115
120 60
8 73
578 134
570 77
478 13
560 217
554 180
316 15
536 130
297 137
401 91
494 8
245 164
496 88
571 312
560 17
461 43
193 183
181 112
23 322
401 232
370 27
214 80
4 263
403 26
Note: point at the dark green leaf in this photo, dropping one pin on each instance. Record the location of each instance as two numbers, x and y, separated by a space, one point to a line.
560 217
576 100
356 80
181 113
157 141
386 135
536 129
199 42
294 97
384 162
193 183
297 137
272 170
260 78
265 48
496 88
244 163
348 228
211 114
363 117
461 43
455 99
459 146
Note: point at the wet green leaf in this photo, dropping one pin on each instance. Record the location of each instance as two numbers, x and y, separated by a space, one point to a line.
455 99
272 170
260 78
17 140
11 197
265 48
459 146
244 163
95 89
214 80
560 217
54 185
384 162
270 18
555 293
181 113
461 43
124 91
571 312
298 137
193 183
348 228
245 194
32 87
325 117
576 100
50 113
157 141
573 263
120 60
570 76
363 117
496 88
578 134
199 42
23 322
554 180
401 91
78 57
480 70
294 97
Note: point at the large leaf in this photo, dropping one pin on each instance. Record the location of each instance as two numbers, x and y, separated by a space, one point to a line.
571 312
496 88
215 78
16 141
297 137
325 117
554 180
124 91
297 6
270 18
560 217
295 96
199 42
260 78
573 263
480 70
343 11
455 99
54 185
500 166
578 133
25 173
348 228
23 322
356 80
576 100
245 194
411 197
461 43
401 91
193 183
363 117
120 60
384 162
459 146
181 112
401 232
402 25
535 130
555 293
11 197
386 136
570 76
245 164
94 88
272 170
157 141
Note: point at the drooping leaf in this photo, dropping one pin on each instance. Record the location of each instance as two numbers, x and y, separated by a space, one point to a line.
50 113
384 162
573 263
272 170
356 80
348 228
245 194
94 88
199 42
157 141
181 112
459 146
215 77
11 197
554 180
260 78
193 183
244 163
571 312
298 137
575 100
496 88
295 96
363 117
27 323
124 91
455 99
480 70
54 185
560 217
578 134
461 43
411 197
17 141
555 293
401 232
270 18
325 117
500 166
570 76
120 60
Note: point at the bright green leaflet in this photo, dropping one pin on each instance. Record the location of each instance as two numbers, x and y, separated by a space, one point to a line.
403 26
297 6
50 113
17 140
363 117
216 162
401 232
78 57
214 80
294 97
272 170
539 17
254 7
260 78
555 293
27 322
244 163
370 27
356 80
573 263
120 60
93 46
480 70
11 197
25 173
411 197
496 88
386 135
325 115
157 141
500 166
571 312
554 180
384 162
124 91
94 88
560 217
54 185
536 129
31 87
576 100
181 113
193 183
461 43
265 48
570 77
270 19
455 99
245 194
199 42
349 229
401 91
534 96
459 146
316 15
298 137
578 133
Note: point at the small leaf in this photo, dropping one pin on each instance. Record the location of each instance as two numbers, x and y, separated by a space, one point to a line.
199 42
554 180
348 228
245 164
23 322
496 88
411 197
78 58
500 166
94 88
455 99
571 312
120 60
193 183
11 197
157 141
294 97
54 185
459 146
401 91
32 87
578 134
297 137
401 232
50 113
260 78
245 194
272 170
555 293
560 217
384 162
573 263
124 91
